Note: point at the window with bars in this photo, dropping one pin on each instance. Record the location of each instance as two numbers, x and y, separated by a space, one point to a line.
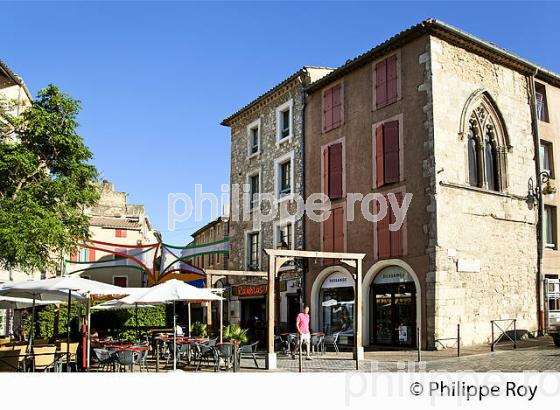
253 251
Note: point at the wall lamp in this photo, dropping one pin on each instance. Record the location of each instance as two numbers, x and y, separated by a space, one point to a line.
535 193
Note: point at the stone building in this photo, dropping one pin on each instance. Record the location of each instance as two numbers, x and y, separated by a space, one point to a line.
113 220
266 161
448 118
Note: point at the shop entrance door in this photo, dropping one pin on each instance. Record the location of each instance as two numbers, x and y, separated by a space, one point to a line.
253 316
293 310
394 314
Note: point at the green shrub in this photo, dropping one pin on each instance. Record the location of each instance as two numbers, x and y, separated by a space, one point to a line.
199 329
234 332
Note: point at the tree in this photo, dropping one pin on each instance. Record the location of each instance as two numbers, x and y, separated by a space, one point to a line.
46 182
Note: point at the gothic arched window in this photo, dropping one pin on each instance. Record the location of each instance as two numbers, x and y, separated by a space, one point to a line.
486 143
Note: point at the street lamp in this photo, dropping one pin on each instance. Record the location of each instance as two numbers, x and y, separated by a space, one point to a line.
535 193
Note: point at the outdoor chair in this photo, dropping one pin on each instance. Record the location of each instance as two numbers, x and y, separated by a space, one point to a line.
318 343
225 354
10 359
61 351
249 351
332 339
284 344
143 360
206 352
127 358
104 358
44 358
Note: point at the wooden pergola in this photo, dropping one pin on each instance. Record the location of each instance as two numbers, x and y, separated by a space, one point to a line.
277 257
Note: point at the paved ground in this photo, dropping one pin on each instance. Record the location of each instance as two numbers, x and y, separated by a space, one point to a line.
532 355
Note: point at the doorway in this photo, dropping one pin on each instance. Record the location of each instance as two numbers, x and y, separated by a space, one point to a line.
253 318
293 305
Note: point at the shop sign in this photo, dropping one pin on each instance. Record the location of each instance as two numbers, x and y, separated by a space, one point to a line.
338 280
250 290
393 274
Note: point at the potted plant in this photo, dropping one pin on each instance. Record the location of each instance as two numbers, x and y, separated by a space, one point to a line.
235 333
199 329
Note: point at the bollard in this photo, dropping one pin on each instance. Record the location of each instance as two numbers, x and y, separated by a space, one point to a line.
492 340
418 344
300 344
458 339
157 356
515 333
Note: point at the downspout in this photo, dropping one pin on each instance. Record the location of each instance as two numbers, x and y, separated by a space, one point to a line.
537 143
304 264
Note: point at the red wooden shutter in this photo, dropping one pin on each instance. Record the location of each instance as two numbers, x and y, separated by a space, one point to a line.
392 79
383 236
91 255
338 228
120 281
381 83
74 256
379 166
391 151
326 171
327 110
336 105
396 236
335 171
328 237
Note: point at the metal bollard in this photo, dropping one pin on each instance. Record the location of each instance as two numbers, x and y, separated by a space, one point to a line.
492 340
300 344
157 356
458 339
418 344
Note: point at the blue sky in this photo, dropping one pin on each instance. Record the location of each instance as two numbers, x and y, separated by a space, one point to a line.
156 79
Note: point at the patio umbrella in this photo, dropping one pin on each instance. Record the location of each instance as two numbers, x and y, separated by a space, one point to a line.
59 288
8 302
170 292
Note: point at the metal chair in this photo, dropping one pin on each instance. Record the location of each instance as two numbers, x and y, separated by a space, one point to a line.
318 343
103 357
44 358
225 352
143 359
332 340
249 351
204 351
127 358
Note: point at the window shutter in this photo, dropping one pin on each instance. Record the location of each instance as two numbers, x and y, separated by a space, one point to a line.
391 151
336 105
379 167
397 236
380 83
392 79
73 256
328 237
335 171
338 226
326 171
91 255
327 110
383 236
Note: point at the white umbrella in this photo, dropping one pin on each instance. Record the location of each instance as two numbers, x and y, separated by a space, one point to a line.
58 288
170 292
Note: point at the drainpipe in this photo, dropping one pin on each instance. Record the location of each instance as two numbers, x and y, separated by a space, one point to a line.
304 264
540 242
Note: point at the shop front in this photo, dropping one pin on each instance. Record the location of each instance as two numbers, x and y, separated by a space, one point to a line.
252 301
336 302
393 318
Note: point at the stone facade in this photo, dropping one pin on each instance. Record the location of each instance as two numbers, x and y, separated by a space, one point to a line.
471 252
498 230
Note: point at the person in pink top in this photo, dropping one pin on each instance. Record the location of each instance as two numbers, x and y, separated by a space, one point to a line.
304 335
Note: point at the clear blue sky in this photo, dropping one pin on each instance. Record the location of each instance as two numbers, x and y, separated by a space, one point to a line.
156 79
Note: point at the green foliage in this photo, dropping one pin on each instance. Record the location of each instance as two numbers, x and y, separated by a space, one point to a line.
199 329
122 322
235 332
46 181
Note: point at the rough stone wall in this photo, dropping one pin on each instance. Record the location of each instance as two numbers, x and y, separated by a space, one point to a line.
494 230
242 165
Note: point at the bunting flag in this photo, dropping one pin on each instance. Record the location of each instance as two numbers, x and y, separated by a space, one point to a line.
161 262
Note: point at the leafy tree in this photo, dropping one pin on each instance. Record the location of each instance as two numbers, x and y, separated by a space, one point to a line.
46 182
